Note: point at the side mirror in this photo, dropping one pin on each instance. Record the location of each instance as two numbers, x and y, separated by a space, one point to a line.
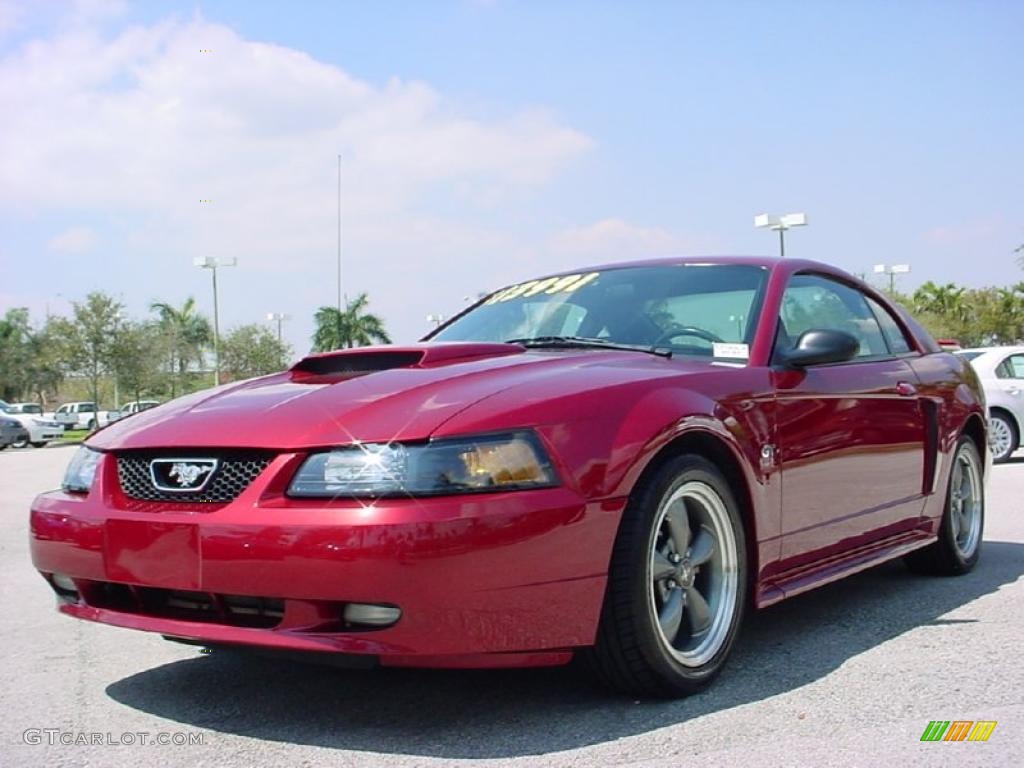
820 346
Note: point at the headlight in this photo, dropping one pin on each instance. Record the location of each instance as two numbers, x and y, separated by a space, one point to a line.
80 472
460 465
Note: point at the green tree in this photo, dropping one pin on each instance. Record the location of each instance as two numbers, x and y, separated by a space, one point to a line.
185 334
95 323
15 352
251 350
135 357
353 327
49 353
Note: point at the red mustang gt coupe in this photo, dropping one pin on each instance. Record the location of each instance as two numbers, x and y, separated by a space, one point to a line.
614 463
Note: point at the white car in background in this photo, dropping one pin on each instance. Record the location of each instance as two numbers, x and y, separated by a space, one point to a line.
135 406
40 430
82 415
1001 370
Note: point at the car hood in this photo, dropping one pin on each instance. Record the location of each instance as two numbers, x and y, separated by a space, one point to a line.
371 394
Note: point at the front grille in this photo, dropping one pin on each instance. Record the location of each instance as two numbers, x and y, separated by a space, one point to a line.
232 476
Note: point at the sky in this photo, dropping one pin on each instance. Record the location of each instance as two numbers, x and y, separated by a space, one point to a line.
487 142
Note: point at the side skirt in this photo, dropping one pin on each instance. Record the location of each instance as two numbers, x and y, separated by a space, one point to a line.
790 583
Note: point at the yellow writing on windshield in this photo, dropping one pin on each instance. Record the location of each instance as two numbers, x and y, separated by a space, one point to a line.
549 285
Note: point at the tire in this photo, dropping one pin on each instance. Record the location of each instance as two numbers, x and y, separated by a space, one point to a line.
39 445
20 443
697 546
958 547
92 425
1003 437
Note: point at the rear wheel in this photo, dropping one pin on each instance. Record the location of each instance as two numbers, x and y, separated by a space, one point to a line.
1002 437
963 521
676 584
20 443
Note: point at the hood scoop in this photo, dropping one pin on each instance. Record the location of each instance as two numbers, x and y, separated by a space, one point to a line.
349 363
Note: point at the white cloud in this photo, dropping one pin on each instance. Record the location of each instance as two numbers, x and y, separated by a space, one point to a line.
74 240
618 239
130 131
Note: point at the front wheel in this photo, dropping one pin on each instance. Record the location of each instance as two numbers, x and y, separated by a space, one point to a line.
676 583
39 444
963 520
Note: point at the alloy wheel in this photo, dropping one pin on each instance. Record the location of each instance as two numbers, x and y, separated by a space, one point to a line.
965 500
1000 437
693 572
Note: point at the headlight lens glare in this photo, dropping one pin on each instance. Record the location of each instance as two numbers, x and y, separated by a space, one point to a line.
461 465
82 470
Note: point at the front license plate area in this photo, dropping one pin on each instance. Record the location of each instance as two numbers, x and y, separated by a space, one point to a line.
155 554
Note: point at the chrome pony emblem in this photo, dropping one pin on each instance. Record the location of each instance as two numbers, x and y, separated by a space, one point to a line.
177 475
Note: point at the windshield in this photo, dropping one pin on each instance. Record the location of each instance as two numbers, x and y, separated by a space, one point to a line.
29 408
705 310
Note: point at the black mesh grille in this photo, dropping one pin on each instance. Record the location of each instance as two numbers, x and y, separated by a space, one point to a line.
232 476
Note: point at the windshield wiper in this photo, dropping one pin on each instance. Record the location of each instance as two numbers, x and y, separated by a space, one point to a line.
584 342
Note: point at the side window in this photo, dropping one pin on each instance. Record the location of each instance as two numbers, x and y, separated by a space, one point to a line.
898 342
1011 368
812 302
62 409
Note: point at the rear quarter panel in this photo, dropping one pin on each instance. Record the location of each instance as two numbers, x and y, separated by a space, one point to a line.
953 387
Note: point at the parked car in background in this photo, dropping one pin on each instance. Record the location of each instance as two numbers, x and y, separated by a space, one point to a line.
135 406
38 429
1001 370
11 431
82 415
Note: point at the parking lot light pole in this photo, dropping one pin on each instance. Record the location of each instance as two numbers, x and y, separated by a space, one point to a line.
211 263
892 271
780 224
278 317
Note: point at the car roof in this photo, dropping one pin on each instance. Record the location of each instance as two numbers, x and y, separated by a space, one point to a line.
767 262
1008 350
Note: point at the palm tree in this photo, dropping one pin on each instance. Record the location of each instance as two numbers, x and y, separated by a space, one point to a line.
353 327
942 300
186 331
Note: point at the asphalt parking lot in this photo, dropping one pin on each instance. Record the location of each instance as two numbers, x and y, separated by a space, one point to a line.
848 675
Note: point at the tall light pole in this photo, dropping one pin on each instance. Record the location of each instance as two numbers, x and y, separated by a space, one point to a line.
279 317
211 263
437 320
780 224
892 271
340 305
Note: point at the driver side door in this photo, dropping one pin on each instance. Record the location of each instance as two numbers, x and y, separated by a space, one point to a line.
851 435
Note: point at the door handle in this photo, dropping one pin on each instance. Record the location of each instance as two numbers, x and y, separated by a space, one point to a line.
906 389
1012 391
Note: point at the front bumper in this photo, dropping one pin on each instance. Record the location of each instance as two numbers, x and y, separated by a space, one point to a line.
45 434
504 579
